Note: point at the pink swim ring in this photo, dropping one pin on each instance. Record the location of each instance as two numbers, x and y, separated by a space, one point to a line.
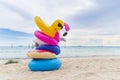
43 37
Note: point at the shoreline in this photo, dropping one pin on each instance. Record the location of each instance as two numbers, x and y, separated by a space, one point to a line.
93 56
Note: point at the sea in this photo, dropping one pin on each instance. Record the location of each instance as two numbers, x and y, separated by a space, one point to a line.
7 52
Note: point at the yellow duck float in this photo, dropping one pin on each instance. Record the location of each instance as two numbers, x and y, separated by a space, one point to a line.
56 26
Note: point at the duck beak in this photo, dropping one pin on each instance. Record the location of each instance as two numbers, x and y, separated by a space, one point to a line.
67 28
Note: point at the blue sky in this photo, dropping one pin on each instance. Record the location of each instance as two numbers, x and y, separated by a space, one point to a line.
92 22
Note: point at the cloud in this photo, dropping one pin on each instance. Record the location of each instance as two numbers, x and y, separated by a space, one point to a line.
24 14
98 25
105 13
85 37
18 15
14 17
92 22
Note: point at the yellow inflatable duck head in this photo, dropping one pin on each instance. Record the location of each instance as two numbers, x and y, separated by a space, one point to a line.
56 26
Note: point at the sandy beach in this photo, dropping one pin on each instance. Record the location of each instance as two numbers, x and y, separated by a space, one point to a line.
88 68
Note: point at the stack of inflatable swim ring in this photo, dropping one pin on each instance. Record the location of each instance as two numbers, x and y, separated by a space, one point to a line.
44 56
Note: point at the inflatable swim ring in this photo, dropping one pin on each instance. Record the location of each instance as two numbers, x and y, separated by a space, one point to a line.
35 40
41 54
43 51
56 26
54 49
48 30
46 39
44 64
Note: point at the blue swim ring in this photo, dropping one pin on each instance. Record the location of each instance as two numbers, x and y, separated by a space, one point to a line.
55 49
44 64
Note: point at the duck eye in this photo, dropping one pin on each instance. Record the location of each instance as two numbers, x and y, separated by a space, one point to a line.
59 25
